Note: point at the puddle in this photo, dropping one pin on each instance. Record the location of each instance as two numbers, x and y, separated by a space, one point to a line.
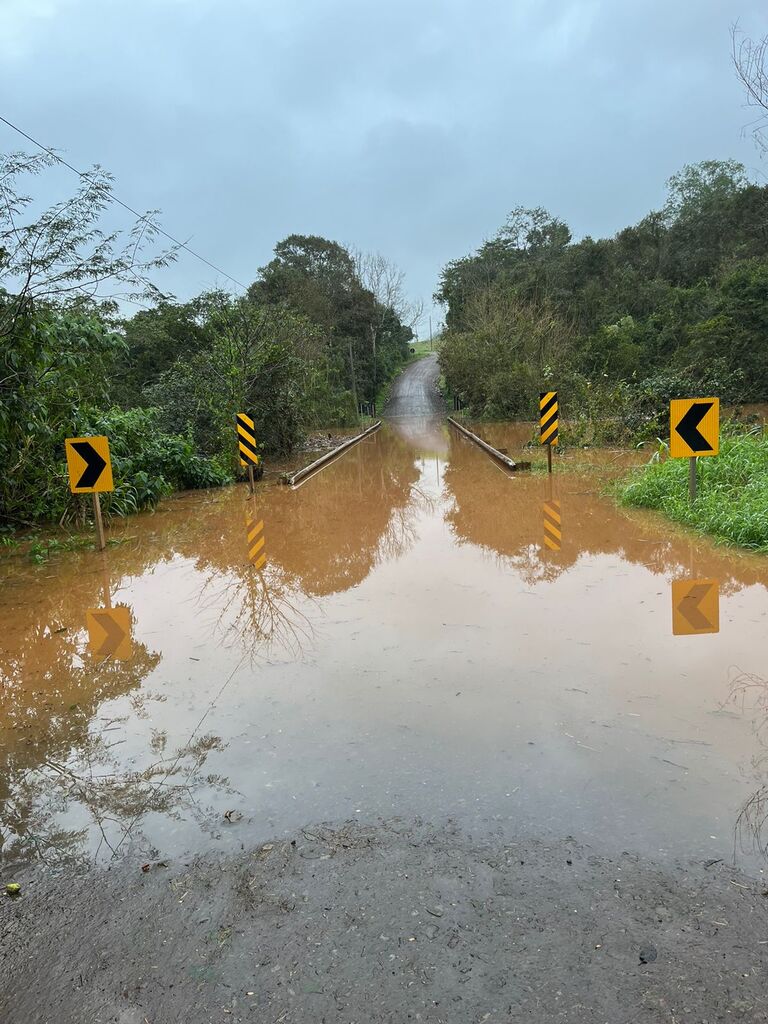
411 646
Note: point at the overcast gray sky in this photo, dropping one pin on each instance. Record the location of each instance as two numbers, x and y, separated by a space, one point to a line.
410 127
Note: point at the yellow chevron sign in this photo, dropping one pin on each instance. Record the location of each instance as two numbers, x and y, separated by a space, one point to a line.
694 427
89 464
255 531
549 417
552 525
246 439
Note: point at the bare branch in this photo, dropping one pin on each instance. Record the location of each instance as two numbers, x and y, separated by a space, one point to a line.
750 61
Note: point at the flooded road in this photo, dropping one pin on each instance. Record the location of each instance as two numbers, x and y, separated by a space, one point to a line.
411 646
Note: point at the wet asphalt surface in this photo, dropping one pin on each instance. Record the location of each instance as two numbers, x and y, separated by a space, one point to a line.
414 392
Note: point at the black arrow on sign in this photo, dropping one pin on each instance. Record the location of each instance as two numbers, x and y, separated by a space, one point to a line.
94 464
689 606
688 427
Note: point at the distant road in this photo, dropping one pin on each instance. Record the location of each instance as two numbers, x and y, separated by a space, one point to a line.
414 392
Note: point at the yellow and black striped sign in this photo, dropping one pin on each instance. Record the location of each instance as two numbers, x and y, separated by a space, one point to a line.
548 417
246 438
255 532
553 535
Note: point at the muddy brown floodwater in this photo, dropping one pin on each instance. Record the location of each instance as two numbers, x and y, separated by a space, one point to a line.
411 647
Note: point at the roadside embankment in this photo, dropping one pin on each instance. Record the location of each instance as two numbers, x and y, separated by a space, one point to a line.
732 499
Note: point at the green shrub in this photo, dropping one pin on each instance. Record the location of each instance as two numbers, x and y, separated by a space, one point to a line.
147 463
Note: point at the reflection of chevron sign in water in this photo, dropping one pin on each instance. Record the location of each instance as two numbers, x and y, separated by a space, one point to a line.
246 439
695 607
552 525
255 541
109 631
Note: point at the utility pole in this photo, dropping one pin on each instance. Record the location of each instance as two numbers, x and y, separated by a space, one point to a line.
354 382
430 334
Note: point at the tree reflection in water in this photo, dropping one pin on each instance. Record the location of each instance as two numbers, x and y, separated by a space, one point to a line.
503 517
749 693
59 754
64 760
502 513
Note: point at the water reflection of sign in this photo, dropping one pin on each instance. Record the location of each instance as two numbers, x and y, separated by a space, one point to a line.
255 530
694 427
109 632
246 439
89 464
552 525
548 417
695 607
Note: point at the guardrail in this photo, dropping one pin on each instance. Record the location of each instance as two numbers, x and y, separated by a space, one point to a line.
318 464
505 460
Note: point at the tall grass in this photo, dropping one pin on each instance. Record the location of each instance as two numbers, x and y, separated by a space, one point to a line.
732 502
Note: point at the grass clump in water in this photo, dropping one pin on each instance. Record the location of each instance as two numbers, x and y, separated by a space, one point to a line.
732 502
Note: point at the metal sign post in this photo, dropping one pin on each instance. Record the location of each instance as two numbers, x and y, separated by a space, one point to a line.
694 431
246 442
549 423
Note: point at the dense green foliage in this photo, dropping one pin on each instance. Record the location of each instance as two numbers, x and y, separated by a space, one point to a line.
306 343
732 501
674 304
60 362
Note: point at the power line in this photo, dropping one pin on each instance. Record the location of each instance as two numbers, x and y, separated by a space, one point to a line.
125 206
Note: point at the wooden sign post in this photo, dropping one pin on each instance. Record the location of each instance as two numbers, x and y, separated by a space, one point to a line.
100 541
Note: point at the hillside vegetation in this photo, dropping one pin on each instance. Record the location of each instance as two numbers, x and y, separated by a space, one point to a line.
319 330
672 306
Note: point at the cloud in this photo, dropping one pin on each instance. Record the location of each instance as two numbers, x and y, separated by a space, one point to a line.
20 22
409 128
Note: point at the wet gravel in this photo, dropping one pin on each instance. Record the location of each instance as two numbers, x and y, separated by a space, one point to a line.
397 921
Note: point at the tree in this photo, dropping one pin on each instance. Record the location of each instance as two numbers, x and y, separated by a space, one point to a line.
682 292
750 61
700 188
525 253
64 255
386 282
319 279
259 360
60 277
699 215
533 231
155 338
313 275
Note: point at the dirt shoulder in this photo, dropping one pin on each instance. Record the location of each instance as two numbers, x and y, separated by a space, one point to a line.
389 923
